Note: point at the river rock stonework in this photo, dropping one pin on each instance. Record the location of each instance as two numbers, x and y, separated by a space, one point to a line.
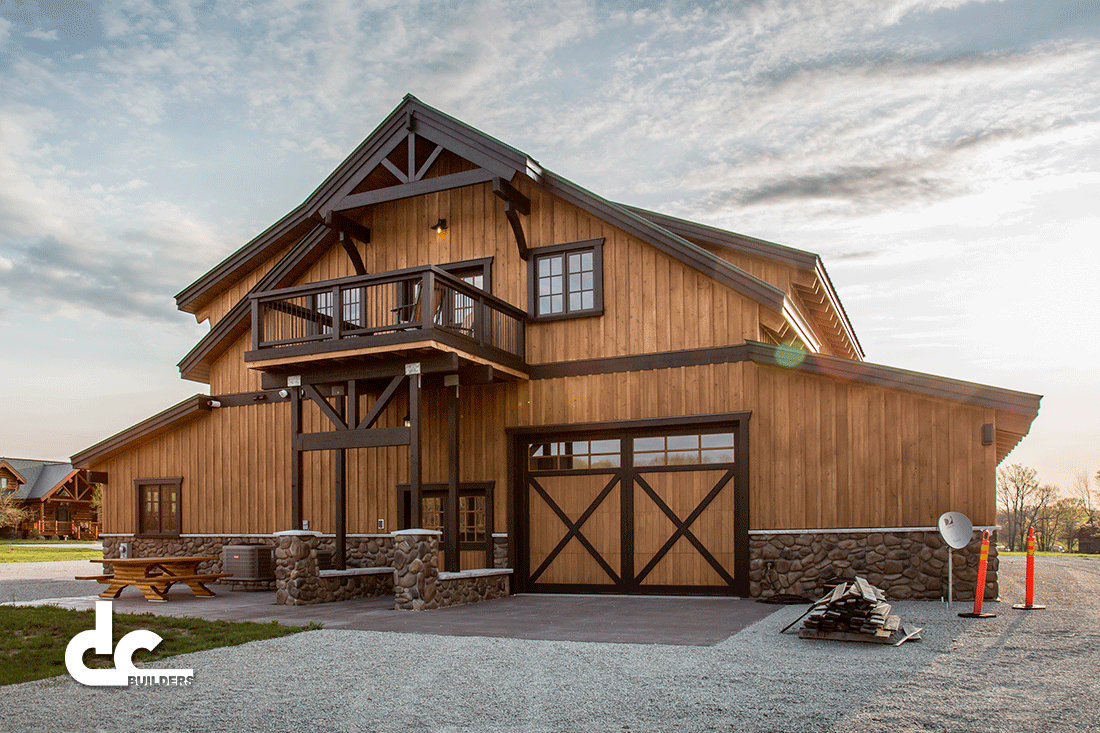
904 564
456 589
500 551
191 546
299 580
416 569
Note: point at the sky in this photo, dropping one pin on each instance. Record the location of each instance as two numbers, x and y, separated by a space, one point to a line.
942 156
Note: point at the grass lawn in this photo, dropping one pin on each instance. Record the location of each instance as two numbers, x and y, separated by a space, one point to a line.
31 553
48 542
33 644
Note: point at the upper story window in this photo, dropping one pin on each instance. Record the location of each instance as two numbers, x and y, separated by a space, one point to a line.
3 482
566 280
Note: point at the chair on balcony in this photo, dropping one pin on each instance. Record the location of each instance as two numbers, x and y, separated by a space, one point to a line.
409 315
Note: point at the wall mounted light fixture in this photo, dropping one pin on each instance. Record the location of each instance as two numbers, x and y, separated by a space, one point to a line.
439 226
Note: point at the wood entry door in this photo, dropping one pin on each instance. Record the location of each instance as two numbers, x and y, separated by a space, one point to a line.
635 512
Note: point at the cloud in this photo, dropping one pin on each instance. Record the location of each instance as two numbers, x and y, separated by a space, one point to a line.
43 35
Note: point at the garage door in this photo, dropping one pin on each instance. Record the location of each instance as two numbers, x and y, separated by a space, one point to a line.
658 511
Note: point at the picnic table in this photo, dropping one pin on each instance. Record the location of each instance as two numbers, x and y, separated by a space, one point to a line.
153 576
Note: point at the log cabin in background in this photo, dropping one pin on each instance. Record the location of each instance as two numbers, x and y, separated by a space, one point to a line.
447 335
57 498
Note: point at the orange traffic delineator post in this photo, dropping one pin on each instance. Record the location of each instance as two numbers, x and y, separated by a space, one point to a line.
979 592
1029 593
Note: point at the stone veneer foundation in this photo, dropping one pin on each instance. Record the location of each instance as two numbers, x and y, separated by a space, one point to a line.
904 563
372 559
191 545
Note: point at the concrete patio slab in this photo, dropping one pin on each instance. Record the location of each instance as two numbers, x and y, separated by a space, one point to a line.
690 621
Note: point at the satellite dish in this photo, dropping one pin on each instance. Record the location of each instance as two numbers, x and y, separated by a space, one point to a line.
956 529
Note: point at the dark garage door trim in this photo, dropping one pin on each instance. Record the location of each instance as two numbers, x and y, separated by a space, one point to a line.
519 540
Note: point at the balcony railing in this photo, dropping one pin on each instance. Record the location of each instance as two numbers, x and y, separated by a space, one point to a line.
385 309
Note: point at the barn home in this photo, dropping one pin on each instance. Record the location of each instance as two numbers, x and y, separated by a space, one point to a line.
451 374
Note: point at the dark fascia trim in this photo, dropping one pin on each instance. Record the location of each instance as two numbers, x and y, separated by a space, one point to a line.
788 358
4 464
297 217
671 244
953 389
235 322
638 424
834 298
429 122
640 362
759 248
730 240
49 492
185 411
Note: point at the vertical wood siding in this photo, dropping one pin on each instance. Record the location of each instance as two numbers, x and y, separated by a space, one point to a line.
824 453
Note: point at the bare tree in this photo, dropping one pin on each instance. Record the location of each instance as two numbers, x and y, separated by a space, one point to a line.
1083 489
1022 498
11 514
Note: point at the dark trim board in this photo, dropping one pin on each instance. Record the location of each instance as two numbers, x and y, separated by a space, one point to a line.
630 480
787 358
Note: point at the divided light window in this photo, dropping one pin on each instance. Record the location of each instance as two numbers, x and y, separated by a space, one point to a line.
566 280
684 450
575 455
158 506
471 515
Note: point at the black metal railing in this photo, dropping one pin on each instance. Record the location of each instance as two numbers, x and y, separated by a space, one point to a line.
387 308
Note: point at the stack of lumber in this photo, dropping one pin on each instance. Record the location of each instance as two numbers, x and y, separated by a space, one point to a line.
855 611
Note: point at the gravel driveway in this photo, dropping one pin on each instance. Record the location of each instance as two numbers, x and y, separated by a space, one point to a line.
1021 671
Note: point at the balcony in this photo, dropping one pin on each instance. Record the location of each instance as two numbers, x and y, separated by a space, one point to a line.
399 314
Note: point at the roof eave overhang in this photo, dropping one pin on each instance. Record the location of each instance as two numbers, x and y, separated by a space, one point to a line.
1022 403
49 494
5 464
428 122
162 422
834 300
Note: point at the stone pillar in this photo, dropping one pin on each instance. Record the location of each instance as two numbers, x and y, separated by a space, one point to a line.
500 551
416 569
296 576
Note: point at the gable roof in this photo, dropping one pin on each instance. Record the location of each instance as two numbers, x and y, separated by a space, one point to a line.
755 247
495 157
434 125
41 477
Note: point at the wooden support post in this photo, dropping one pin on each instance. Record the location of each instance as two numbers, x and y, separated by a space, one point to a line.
414 450
295 458
340 477
450 535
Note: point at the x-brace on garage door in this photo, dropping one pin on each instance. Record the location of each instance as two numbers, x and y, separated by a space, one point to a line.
656 506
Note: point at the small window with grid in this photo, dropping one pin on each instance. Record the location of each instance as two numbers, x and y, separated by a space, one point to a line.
567 280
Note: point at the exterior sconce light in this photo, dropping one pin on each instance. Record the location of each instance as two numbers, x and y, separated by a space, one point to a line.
987 434
408 422
439 226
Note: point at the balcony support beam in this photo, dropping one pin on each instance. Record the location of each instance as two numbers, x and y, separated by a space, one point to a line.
415 473
452 559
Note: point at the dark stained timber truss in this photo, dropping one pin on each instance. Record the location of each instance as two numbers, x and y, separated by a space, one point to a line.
515 203
349 432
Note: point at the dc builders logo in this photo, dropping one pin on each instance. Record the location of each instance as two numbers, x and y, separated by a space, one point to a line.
125 673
